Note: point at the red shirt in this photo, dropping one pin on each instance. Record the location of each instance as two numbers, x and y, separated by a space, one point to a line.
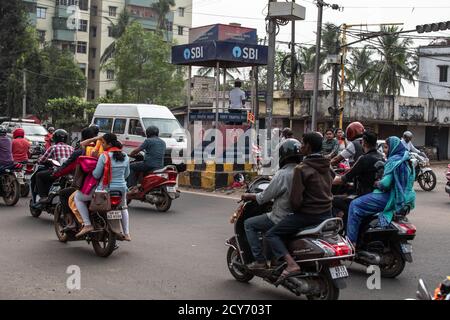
20 149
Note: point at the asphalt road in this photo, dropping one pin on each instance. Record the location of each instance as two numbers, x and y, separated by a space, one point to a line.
181 255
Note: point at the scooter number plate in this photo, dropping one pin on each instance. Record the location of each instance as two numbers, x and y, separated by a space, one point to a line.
338 272
19 175
171 190
407 248
114 215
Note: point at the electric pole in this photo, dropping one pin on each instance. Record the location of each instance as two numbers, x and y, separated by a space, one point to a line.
24 98
270 73
320 4
293 67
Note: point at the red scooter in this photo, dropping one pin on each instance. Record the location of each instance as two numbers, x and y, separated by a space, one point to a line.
158 188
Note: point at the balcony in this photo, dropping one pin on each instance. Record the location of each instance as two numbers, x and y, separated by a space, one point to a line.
61 32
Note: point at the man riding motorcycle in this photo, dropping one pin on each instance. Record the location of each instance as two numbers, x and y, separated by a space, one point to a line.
354 148
407 142
363 173
278 190
59 151
6 158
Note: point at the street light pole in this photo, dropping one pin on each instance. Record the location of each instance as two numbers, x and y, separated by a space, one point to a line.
293 61
270 74
320 4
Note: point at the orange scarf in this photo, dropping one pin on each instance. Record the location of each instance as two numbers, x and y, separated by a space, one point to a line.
107 170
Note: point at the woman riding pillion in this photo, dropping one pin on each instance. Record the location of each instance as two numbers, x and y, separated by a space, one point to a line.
392 194
112 169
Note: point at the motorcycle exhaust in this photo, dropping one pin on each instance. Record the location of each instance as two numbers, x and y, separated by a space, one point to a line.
368 257
302 286
154 199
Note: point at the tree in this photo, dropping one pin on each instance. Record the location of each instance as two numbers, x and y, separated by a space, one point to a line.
330 43
162 8
395 64
69 112
117 30
142 68
360 70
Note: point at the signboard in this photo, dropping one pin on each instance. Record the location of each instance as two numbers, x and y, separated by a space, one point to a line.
234 52
223 117
261 95
222 32
308 83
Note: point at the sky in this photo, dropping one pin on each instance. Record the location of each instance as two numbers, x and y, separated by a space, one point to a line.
251 13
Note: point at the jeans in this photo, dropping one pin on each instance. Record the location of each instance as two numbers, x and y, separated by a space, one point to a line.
288 227
362 207
252 226
44 181
135 169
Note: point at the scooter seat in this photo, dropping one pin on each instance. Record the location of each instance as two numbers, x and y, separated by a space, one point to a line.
329 225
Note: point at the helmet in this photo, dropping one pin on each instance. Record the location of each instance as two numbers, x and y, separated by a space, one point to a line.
51 129
3 131
287 133
60 135
408 134
19 132
152 131
289 150
354 130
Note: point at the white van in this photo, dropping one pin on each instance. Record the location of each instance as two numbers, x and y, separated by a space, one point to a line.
129 121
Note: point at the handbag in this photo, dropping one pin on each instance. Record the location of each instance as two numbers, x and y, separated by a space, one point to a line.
101 201
78 177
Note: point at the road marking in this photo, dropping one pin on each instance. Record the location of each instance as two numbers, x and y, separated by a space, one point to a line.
210 195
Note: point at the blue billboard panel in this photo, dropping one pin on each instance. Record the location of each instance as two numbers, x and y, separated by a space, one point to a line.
222 32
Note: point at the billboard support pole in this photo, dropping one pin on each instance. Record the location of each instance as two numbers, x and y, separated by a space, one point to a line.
216 124
188 113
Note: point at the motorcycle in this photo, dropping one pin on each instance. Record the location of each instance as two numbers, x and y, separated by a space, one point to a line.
107 227
442 292
53 195
158 188
9 184
447 187
24 178
424 174
319 250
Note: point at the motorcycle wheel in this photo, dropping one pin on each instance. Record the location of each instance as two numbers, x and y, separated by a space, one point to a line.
428 180
58 221
34 212
395 264
11 190
106 247
24 190
165 205
329 290
238 274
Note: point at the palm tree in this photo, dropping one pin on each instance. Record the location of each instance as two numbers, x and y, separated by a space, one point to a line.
162 8
307 58
330 43
117 30
395 64
360 69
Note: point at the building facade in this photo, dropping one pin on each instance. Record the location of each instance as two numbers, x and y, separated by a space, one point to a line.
434 71
87 31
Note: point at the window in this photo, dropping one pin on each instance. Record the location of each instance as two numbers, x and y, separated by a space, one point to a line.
41 13
112 11
83 25
82 47
41 35
83 4
166 126
135 128
94 10
110 74
169 25
443 73
82 68
93 52
67 3
104 124
110 32
92 73
119 126
91 94
94 31
181 12
180 30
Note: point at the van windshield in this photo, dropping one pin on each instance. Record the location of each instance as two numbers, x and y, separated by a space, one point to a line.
166 126
34 130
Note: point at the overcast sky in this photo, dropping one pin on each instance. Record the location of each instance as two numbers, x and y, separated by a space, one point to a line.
251 13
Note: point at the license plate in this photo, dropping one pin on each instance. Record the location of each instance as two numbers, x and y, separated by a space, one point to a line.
171 190
20 175
114 215
407 248
338 272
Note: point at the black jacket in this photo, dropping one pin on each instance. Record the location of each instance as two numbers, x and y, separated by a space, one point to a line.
364 172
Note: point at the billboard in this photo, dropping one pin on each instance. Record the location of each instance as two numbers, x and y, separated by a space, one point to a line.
222 32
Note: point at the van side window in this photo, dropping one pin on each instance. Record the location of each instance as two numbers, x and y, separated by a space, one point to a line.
104 124
135 128
119 126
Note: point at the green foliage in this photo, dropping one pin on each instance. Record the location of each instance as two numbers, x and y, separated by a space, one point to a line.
117 30
70 112
142 68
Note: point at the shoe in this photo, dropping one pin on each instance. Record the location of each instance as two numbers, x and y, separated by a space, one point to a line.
84 231
257 265
126 237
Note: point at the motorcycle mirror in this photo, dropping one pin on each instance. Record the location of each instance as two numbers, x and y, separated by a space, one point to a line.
422 291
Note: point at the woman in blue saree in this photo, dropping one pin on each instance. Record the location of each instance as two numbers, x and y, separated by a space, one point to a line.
393 192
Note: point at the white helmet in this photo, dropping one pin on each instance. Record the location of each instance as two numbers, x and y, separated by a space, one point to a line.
408 134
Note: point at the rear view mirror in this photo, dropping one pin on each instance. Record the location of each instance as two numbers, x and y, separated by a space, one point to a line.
422 291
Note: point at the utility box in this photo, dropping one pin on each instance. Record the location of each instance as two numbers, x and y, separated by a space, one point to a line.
287 11
334 59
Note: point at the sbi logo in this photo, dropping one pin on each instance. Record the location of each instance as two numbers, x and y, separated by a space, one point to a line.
245 53
193 53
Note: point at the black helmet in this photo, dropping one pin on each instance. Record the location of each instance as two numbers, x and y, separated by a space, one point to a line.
289 150
3 131
152 131
60 135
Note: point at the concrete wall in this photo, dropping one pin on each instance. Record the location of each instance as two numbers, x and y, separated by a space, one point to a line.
419 135
430 58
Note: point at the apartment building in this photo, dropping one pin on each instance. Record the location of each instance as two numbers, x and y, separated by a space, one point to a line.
86 31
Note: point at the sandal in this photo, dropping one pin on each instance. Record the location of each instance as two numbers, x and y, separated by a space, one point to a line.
287 274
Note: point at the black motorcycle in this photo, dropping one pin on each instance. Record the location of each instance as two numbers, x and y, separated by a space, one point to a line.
319 251
53 195
9 184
